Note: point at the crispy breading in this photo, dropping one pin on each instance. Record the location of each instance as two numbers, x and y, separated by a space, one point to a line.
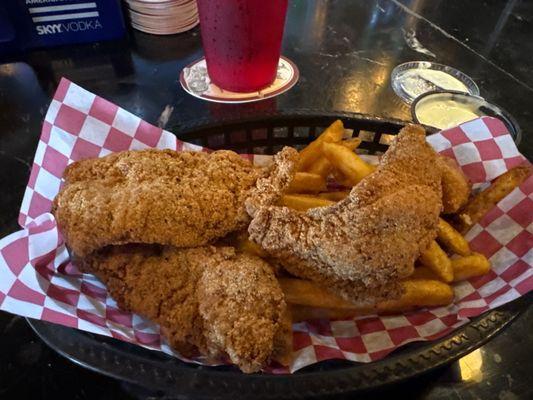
361 246
271 187
184 199
456 187
210 299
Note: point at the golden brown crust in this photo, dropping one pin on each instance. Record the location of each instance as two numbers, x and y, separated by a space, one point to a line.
184 199
456 187
211 299
361 246
282 352
276 181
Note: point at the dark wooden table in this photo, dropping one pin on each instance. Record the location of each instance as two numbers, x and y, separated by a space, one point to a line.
345 51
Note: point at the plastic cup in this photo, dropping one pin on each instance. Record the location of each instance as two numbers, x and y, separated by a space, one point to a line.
242 40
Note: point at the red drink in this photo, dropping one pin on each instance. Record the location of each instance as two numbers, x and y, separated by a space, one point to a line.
242 40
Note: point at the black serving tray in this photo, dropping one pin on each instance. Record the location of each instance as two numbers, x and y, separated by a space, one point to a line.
266 134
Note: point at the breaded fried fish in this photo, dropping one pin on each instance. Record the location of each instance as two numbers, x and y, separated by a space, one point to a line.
210 299
184 199
363 245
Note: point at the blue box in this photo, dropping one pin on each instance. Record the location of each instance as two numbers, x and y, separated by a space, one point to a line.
26 24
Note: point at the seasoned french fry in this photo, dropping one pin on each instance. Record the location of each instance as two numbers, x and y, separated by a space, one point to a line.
334 196
456 187
436 259
418 293
351 144
304 203
467 267
312 152
422 272
481 203
451 239
321 167
305 182
347 162
305 295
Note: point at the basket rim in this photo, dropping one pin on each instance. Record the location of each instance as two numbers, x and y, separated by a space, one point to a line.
291 114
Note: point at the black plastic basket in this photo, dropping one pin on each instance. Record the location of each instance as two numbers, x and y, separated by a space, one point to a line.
154 370
267 134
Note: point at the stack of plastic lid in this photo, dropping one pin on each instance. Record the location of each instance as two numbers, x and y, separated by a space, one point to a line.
163 17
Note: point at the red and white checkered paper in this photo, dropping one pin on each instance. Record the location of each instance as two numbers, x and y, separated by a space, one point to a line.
38 281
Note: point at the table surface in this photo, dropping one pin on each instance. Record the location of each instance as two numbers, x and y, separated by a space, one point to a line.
345 51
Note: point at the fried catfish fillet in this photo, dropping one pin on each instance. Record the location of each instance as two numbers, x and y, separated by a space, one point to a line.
184 199
210 299
363 245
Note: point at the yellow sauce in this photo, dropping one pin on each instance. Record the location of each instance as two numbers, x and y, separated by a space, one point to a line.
444 114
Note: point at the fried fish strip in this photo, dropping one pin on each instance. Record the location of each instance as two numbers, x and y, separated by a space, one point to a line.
153 196
363 245
211 299
183 199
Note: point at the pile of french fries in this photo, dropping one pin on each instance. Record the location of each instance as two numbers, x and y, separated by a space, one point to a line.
448 259
330 154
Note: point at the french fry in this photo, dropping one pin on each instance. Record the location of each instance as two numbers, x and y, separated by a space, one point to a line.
467 267
334 196
418 293
474 264
436 259
303 202
305 295
312 152
422 272
451 239
321 167
305 182
482 202
347 162
456 187
352 143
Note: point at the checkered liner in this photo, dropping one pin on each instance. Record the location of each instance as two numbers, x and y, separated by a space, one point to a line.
38 281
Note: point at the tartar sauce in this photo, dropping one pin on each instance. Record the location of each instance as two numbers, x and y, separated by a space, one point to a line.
444 114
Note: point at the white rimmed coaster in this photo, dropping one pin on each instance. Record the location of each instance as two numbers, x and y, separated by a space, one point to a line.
195 80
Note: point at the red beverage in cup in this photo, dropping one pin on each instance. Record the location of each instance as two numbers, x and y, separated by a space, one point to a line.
242 40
